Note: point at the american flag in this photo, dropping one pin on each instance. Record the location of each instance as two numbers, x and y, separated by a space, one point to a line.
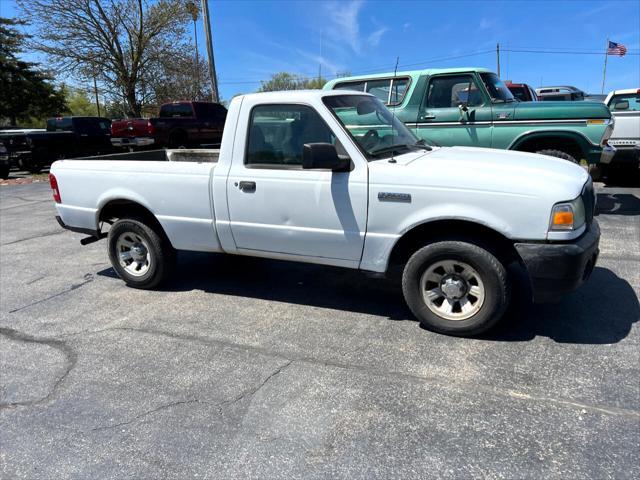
616 49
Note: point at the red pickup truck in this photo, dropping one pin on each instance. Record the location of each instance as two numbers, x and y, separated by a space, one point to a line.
179 124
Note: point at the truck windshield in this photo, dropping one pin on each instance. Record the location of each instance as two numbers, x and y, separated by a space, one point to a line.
373 126
498 91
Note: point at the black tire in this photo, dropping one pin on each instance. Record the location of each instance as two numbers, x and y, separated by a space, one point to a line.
559 154
162 256
4 171
491 271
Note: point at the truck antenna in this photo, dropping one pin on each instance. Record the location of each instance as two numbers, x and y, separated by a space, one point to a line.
393 113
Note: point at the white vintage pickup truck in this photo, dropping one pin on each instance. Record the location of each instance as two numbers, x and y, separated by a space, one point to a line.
331 177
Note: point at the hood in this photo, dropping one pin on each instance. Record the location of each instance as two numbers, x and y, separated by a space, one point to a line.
560 110
491 170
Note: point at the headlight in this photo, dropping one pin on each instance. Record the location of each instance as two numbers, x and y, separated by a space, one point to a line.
567 216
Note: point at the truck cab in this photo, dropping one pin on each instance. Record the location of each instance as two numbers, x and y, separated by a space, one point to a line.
473 107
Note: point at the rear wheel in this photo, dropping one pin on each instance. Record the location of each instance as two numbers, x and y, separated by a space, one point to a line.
140 255
558 153
456 288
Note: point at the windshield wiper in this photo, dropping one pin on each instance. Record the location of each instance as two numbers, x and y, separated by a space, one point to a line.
423 144
398 146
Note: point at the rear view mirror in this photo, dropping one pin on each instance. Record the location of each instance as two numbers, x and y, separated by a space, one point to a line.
623 105
365 107
323 156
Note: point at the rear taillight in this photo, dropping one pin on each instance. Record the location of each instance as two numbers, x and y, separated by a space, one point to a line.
150 128
54 186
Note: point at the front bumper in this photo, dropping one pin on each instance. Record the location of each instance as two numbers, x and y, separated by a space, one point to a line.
608 152
132 142
556 269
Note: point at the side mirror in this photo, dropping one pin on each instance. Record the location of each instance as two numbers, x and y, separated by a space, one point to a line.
623 105
323 156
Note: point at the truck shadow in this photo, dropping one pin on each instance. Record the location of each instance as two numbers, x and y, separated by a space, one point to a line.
617 204
602 312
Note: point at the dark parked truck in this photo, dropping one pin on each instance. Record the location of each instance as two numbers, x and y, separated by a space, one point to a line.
65 137
179 124
473 107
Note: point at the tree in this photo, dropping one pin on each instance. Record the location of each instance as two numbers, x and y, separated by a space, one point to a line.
291 81
120 42
80 103
26 93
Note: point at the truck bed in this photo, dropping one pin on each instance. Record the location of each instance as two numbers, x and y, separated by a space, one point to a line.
175 190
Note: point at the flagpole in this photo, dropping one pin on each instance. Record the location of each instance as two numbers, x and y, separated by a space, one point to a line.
604 73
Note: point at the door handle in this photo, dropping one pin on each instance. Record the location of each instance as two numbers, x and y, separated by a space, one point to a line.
247 186
427 117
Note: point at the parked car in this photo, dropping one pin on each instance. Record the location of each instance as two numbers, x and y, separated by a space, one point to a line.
297 178
5 162
563 93
179 124
65 137
625 107
473 107
522 91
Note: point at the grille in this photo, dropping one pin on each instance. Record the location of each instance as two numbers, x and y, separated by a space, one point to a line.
589 200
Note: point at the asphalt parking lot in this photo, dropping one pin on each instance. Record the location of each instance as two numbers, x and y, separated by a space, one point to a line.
249 368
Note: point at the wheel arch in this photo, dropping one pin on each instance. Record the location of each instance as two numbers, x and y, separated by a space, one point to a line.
122 207
573 143
449 229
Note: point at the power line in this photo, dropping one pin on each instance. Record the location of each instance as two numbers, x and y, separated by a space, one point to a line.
550 50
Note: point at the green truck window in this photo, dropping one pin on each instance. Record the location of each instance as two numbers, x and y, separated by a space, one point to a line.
453 90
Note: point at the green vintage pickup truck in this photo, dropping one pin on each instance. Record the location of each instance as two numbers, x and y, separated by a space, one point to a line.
473 107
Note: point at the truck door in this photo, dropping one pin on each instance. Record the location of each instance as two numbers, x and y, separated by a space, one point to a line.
442 117
276 206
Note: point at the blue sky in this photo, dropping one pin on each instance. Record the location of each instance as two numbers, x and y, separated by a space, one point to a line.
253 39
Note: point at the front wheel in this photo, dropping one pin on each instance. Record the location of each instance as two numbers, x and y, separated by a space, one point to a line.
456 288
558 154
140 255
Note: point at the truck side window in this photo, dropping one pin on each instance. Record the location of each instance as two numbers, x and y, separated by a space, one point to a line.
625 103
359 86
277 134
176 110
452 90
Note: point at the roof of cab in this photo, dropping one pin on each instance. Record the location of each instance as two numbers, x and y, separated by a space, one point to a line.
290 95
408 73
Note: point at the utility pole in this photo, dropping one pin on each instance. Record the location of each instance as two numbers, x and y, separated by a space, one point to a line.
498 57
192 8
212 66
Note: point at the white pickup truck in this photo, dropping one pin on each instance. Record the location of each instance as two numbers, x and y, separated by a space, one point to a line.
331 177
625 108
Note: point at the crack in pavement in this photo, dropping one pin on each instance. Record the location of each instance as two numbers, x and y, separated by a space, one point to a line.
220 406
47 234
70 356
394 375
88 278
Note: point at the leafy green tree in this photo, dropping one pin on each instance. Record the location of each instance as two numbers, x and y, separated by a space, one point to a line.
26 93
81 104
290 81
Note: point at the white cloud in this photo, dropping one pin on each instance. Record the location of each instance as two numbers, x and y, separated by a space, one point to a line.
344 16
344 27
374 37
